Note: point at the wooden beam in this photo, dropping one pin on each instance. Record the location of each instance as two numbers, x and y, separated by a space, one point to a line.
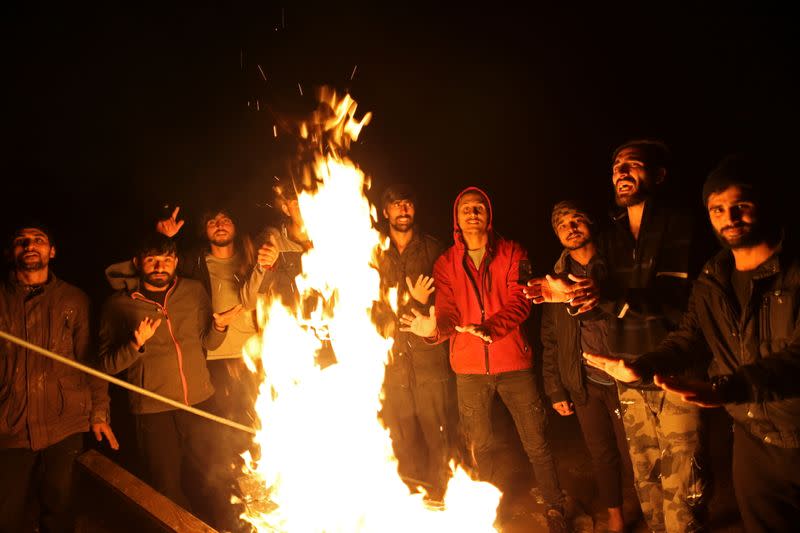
161 509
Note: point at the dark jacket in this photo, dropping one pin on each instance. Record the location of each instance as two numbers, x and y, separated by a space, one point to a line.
43 401
756 354
649 279
490 296
172 362
412 360
562 365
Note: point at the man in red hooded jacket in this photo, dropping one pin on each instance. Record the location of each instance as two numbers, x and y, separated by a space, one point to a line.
480 306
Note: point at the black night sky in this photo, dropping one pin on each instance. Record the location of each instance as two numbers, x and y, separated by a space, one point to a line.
117 110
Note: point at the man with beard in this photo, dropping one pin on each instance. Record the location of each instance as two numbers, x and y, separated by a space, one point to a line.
574 386
648 249
232 273
418 378
45 406
746 307
157 327
480 307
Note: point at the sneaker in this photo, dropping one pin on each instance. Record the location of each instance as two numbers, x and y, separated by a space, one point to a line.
556 522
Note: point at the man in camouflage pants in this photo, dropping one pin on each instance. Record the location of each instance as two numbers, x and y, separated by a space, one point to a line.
664 438
647 250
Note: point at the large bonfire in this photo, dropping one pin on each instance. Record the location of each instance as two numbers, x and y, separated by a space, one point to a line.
326 461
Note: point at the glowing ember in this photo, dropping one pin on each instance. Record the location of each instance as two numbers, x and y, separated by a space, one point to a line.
326 460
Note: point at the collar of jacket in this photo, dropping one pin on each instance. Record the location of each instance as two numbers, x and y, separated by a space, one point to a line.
561 265
720 267
138 288
17 286
416 240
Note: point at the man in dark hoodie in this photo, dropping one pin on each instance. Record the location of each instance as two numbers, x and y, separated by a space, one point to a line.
745 306
480 307
45 406
417 380
157 328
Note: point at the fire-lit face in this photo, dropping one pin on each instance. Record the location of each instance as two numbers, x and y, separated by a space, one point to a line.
400 215
220 230
734 217
291 208
473 213
633 177
573 231
32 250
157 271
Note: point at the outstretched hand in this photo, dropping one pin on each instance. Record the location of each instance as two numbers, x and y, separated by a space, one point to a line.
170 226
147 328
419 324
476 329
692 391
613 366
422 289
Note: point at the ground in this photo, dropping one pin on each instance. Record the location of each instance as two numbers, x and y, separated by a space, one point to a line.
104 512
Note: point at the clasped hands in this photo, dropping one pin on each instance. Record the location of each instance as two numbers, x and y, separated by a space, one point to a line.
579 292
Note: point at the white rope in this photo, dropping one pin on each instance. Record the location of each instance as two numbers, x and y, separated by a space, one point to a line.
124 384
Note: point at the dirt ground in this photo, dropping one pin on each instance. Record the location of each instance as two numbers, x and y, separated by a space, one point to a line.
104 512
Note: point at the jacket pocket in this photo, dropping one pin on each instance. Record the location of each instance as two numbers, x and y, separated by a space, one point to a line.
779 319
75 396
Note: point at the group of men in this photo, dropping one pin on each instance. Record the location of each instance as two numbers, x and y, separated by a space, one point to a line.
635 343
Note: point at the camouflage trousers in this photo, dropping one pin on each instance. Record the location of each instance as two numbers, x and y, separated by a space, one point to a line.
664 439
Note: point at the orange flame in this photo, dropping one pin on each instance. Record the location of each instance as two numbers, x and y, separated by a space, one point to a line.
327 462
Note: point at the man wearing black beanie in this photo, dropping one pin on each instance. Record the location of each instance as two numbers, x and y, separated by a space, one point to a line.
746 307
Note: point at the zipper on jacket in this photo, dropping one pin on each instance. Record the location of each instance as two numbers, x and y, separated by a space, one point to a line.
765 335
163 309
480 303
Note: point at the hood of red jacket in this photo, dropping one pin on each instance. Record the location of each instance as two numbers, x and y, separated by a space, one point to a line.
457 237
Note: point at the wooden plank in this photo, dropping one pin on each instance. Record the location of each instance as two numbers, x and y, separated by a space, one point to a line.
161 509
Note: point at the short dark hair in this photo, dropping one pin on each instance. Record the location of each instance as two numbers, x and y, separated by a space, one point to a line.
30 223
211 212
655 151
156 244
398 191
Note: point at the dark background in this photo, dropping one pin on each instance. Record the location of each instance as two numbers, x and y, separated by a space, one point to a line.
115 111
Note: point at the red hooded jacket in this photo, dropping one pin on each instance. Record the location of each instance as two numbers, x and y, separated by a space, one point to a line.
489 295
